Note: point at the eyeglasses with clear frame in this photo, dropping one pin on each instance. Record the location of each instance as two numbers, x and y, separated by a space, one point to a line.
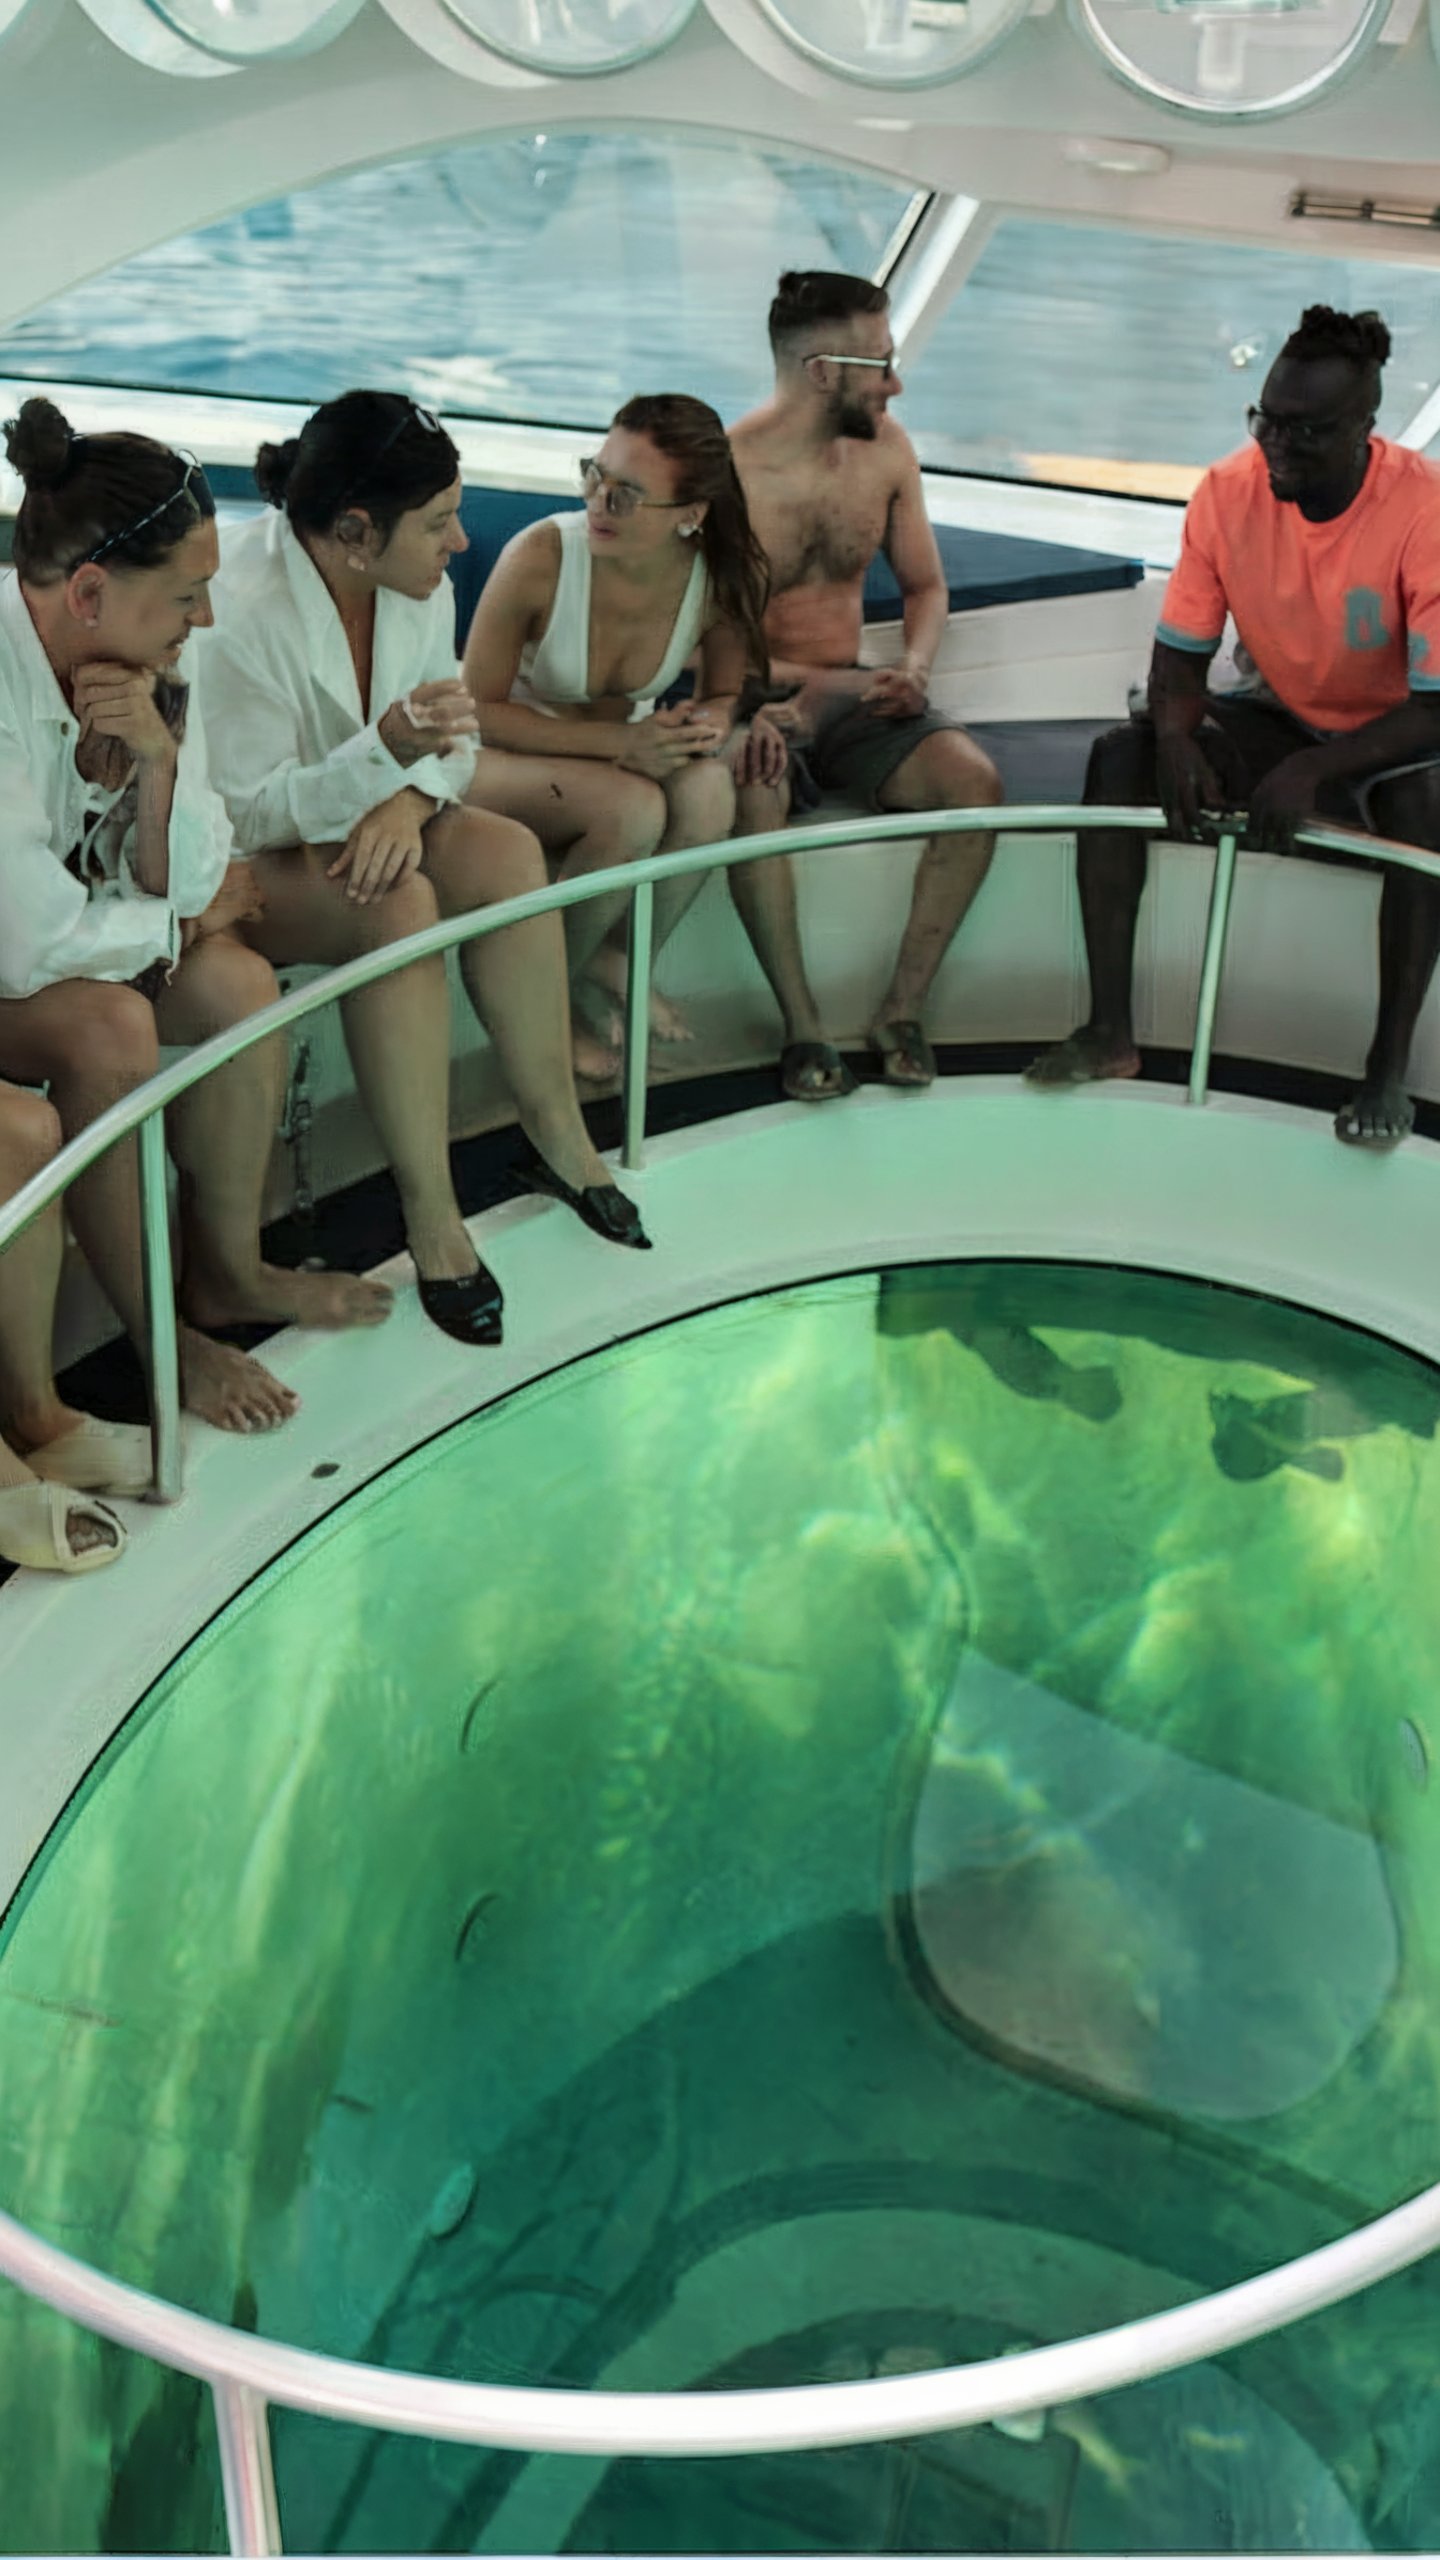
192 477
621 496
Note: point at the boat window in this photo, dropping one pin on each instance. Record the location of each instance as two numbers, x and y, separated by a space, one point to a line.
572 35
1103 359
895 43
1229 58
474 280
257 30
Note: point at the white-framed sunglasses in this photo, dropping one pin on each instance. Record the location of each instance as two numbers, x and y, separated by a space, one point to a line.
867 364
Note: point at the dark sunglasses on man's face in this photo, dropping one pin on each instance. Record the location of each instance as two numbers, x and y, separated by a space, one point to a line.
1303 435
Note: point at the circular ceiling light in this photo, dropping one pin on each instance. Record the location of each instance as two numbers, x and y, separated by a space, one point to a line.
1228 59
256 30
896 44
574 37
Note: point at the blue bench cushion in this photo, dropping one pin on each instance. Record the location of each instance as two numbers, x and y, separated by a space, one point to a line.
982 568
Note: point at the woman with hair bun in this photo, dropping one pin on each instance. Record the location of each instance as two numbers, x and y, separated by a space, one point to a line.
119 899
586 618
343 741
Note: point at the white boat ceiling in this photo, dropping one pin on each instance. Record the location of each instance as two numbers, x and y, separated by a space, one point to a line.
106 153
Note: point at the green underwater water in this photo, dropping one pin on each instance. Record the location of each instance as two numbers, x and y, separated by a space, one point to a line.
865 1828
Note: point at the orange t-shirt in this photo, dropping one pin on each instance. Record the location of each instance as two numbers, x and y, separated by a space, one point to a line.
1342 620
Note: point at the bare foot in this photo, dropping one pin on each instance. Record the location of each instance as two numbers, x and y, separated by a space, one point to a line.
228 1388
592 1055
1378 1116
604 988
87 1527
1087 1057
667 1022
324 1301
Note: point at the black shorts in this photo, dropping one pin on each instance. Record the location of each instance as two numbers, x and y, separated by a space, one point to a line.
1243 739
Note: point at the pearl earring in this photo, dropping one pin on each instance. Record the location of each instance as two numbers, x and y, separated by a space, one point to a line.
687 530
356 560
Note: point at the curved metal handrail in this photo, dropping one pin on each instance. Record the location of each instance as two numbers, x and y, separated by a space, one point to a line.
246 2374
127 1116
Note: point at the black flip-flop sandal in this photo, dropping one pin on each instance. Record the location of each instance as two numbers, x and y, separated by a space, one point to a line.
907 1042
797 1055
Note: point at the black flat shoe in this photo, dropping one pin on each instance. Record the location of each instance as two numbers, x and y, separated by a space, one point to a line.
607 1212
469 1309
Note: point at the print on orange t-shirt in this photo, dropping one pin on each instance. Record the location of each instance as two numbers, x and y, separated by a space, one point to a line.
1342 619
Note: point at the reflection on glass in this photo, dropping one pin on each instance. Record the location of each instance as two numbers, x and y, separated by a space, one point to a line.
1232 57
253 30
895 43
1104 359
575 35
471 279
861 1830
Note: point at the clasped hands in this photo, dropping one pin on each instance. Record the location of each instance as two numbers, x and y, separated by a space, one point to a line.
1276 809
762 749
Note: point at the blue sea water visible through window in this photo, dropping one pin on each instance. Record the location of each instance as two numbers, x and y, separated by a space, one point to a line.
547 276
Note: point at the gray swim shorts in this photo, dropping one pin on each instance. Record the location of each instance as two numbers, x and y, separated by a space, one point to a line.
856 753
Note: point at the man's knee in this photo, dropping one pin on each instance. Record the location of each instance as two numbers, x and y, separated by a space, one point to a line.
1120 773
1408 809
946 771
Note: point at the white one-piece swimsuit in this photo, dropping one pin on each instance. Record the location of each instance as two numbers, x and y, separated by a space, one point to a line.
556 669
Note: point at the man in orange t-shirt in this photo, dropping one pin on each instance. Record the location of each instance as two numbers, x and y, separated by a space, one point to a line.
1322 541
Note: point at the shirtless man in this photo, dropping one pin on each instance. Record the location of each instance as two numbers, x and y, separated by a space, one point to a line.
830 479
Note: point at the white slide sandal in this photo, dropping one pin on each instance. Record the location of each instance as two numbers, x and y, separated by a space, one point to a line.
35 1528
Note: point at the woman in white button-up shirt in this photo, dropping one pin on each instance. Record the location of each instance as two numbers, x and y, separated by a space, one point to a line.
118 897
343 742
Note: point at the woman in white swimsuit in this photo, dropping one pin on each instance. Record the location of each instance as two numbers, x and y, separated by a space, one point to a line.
586 619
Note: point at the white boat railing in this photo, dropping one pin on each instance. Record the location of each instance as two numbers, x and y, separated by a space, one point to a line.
249 2375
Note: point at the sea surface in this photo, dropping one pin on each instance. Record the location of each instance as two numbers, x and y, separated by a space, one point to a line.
549 276
871 1827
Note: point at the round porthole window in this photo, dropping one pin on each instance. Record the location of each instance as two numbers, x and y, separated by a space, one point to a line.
895 43
1231 58
256 30
573 37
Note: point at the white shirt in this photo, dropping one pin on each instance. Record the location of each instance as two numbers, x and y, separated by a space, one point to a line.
293 749
53 925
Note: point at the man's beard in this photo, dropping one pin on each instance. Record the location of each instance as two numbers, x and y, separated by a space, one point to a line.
848 418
